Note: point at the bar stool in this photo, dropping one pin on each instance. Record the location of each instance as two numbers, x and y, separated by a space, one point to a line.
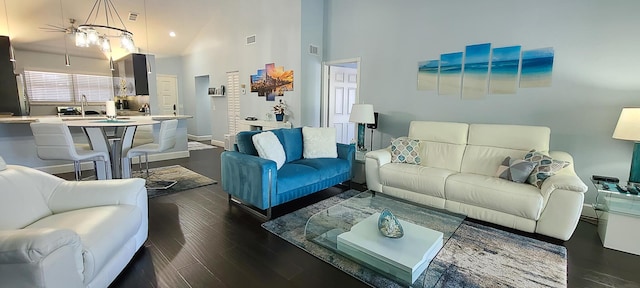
54 142
166 141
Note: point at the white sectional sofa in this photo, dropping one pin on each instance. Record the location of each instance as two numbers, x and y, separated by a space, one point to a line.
457 172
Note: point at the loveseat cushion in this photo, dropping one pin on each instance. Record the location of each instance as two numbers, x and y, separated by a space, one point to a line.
103 230
497 194
417 178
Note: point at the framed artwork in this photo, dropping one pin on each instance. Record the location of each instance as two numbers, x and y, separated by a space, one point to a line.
272 81
505 62
537 66
450 74
428 74
476 71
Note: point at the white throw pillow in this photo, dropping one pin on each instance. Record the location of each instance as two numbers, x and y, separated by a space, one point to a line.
319 142
269 147
3 165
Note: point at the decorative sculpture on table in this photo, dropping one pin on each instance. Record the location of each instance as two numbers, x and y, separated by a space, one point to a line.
389 225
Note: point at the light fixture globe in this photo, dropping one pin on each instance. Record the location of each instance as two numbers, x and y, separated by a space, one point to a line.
91 33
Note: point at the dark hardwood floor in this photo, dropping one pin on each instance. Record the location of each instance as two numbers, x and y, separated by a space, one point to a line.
197 240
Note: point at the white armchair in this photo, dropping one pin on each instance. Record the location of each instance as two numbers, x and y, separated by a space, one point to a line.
58 233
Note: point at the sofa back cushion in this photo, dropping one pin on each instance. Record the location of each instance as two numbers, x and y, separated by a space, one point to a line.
291 140
244 142
442 143
490 144
24 195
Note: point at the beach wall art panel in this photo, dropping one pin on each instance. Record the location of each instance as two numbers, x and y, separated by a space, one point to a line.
428 75
449 82
475 79
537 66
505 62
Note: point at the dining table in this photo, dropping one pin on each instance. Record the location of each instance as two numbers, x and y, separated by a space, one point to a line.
114 136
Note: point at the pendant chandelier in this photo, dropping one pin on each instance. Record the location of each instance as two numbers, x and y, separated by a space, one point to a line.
92 33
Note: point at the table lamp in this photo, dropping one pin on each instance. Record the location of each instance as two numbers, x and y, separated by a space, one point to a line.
361 114
628 128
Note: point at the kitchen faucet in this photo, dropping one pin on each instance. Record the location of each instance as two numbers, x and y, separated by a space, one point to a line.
83 102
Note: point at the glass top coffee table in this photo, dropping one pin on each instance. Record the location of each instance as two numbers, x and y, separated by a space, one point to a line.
350 228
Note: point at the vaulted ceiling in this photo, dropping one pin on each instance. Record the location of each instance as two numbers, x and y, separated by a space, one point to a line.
26 18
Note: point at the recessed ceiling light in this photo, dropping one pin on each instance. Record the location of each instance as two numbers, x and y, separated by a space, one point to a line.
172 34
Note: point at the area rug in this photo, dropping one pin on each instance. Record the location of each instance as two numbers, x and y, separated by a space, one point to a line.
186 178
192 145
475 256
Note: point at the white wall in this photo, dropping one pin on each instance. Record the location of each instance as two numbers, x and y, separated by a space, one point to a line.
220 47
595 70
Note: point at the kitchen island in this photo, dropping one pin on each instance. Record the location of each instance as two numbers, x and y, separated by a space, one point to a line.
17 145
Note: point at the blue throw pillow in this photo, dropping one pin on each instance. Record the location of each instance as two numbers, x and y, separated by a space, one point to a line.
245 144
291 140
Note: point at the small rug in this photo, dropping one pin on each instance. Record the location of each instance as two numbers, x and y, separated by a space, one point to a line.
192 145
475 256
186 178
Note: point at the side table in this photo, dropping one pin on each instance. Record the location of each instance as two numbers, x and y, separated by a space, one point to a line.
358 168
618 214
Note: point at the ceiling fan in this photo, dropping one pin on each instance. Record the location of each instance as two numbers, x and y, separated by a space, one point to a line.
72 29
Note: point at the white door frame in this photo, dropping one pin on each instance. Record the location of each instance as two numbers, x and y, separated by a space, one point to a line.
324 112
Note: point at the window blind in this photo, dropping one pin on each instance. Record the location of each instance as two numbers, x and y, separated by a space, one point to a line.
233 101
63 87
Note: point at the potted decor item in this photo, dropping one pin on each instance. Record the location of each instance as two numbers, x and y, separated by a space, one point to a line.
279 109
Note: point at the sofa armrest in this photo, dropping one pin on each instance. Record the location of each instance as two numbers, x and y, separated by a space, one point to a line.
373 161
72 195
347 152
562 181
43 257
249 178
33 245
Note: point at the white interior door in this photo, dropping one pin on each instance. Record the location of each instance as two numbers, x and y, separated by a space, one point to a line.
167 94
342 94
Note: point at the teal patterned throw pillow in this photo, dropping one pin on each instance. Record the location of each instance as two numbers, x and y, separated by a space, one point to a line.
516 170
546 167
405 150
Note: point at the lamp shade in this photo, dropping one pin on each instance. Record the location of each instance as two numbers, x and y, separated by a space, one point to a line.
628 127
362 113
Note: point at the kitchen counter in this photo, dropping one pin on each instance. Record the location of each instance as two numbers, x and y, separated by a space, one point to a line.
17 145
29 119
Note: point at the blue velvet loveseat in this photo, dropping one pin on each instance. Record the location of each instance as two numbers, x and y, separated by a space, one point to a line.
254 181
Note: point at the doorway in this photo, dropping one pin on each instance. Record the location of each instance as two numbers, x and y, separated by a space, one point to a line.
167 94
341 79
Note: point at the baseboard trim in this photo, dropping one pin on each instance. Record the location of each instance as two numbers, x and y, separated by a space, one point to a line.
66 168
217 143
588 211
198 138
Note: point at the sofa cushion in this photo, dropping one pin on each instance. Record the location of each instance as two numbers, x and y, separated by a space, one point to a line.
516 170
405 150
417 178
495 194
245 143
292 175
327 167
442 143
545 168
103 231
291 140
269 147
319 142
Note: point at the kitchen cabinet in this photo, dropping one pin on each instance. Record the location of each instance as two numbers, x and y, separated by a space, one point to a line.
130 75
9 100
